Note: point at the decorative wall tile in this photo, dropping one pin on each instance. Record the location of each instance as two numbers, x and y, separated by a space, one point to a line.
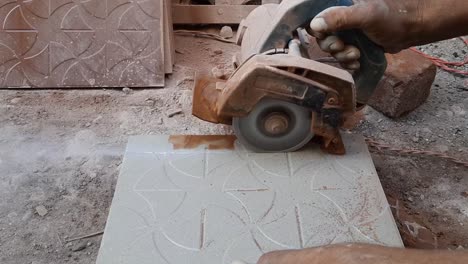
75 43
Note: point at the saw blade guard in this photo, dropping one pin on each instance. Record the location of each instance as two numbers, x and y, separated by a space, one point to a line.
279 28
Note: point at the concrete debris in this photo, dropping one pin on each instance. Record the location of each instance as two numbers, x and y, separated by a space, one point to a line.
127 90
226 32
218 73
41 210
150 101
79 247
458 110
186 79
15 100
174 112
93 175
427 130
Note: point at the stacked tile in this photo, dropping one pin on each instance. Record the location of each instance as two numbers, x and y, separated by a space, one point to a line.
45 44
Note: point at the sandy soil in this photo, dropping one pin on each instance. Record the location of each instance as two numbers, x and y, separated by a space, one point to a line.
61 150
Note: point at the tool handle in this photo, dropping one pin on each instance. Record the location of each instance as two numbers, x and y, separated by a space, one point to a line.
292 14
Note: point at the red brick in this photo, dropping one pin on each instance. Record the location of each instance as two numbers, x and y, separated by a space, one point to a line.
406 84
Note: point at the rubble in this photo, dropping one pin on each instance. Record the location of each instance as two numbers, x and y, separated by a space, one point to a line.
41 210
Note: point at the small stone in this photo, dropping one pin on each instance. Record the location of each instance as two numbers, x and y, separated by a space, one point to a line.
217 73
160 121
441 148
69 244
93 175
127 90
218 52
415 139
455 54
226 32
172 113
41 210
460 247
186 79
149 101
410 199
89 244
458 110
79 247
426 130
422 197
464 194
15 100
88 124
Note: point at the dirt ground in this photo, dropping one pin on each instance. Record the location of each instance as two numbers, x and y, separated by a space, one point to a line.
60 152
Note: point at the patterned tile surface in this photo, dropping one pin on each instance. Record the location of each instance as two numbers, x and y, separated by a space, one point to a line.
216 206
81 43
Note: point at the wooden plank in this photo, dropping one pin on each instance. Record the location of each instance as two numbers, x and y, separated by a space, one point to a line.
210 14
169 50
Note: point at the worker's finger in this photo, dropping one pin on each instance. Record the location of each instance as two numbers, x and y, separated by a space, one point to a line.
338 18
279 257
349 53
331 44
353 65
316 26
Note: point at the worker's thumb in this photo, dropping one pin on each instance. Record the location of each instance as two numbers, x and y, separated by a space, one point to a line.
338 18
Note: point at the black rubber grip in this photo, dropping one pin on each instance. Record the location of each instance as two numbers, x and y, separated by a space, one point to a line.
299 13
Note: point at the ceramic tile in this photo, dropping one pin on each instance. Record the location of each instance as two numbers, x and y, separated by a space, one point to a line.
92 43
215 206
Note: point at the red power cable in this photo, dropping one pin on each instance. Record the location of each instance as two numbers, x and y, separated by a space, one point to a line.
443 64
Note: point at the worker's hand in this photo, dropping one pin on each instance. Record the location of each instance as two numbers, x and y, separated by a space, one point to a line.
389 23
336 254
363 254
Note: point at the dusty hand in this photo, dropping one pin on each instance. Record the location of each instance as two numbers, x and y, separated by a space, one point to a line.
363 254
337 254
389 23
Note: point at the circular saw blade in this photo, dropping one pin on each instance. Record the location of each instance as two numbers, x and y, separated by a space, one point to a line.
251 132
